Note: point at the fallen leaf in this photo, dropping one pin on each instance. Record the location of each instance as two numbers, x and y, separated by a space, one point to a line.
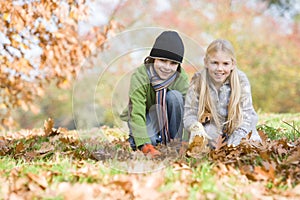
294 158
48 125
198 147
262 135
19 148
38 179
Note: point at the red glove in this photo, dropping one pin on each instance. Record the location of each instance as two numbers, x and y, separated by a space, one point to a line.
149 149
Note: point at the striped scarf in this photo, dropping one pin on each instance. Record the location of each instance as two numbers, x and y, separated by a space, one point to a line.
160 86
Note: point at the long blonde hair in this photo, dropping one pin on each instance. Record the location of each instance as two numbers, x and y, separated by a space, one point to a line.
205 103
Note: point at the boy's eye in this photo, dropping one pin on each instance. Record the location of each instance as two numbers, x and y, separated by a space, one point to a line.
165 61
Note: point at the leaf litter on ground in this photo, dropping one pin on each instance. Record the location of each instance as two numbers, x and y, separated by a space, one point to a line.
273 164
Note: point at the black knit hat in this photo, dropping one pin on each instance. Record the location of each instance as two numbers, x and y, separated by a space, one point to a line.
168 45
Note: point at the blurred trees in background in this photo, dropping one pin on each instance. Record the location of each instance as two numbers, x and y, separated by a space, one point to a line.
265 34
40 44
266 43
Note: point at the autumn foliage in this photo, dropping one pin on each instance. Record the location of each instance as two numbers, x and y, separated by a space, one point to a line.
40 43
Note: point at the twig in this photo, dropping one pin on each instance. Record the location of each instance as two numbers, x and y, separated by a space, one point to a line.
291 126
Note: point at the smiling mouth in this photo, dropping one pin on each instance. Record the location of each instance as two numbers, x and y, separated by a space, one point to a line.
165 72
219 74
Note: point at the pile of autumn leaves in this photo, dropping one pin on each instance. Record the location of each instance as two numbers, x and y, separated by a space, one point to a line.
275 162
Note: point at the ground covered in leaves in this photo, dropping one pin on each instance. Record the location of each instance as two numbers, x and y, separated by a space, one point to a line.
54 163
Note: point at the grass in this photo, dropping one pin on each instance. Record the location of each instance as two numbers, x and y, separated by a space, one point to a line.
280 125
6 164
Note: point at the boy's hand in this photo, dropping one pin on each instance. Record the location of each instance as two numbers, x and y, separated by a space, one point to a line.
150 149
198 129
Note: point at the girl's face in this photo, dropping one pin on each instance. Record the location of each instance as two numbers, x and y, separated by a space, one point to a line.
165 68
219 66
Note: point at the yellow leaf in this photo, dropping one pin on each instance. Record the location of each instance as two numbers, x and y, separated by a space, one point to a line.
2 106
22 45
6 16
73 15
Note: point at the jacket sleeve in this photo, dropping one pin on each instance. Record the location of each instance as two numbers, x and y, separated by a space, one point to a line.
191 105
137 109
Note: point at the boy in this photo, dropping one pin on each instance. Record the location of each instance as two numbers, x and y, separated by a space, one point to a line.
156 96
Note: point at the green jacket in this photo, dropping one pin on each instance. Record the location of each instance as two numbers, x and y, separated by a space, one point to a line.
142 97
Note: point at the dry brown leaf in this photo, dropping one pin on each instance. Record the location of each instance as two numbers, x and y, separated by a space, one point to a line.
29 156
48 125
179 166
206 117
294 158
262 135
220 143
45 148
125 185
3 147
40 180
20 147
264 154
198 147
248 136
262 174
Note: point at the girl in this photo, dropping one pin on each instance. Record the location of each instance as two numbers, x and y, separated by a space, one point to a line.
219 100
157 90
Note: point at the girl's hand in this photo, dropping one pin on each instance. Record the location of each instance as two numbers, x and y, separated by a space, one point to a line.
198 129
236 137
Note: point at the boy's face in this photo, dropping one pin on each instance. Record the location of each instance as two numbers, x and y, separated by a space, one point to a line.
219 66
165 68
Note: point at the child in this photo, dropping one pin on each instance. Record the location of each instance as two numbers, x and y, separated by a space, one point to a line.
219 100
156 96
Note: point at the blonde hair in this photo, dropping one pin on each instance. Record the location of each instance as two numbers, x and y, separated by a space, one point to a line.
205 103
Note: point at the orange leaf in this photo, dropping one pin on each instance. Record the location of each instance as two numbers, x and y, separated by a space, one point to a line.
261 174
